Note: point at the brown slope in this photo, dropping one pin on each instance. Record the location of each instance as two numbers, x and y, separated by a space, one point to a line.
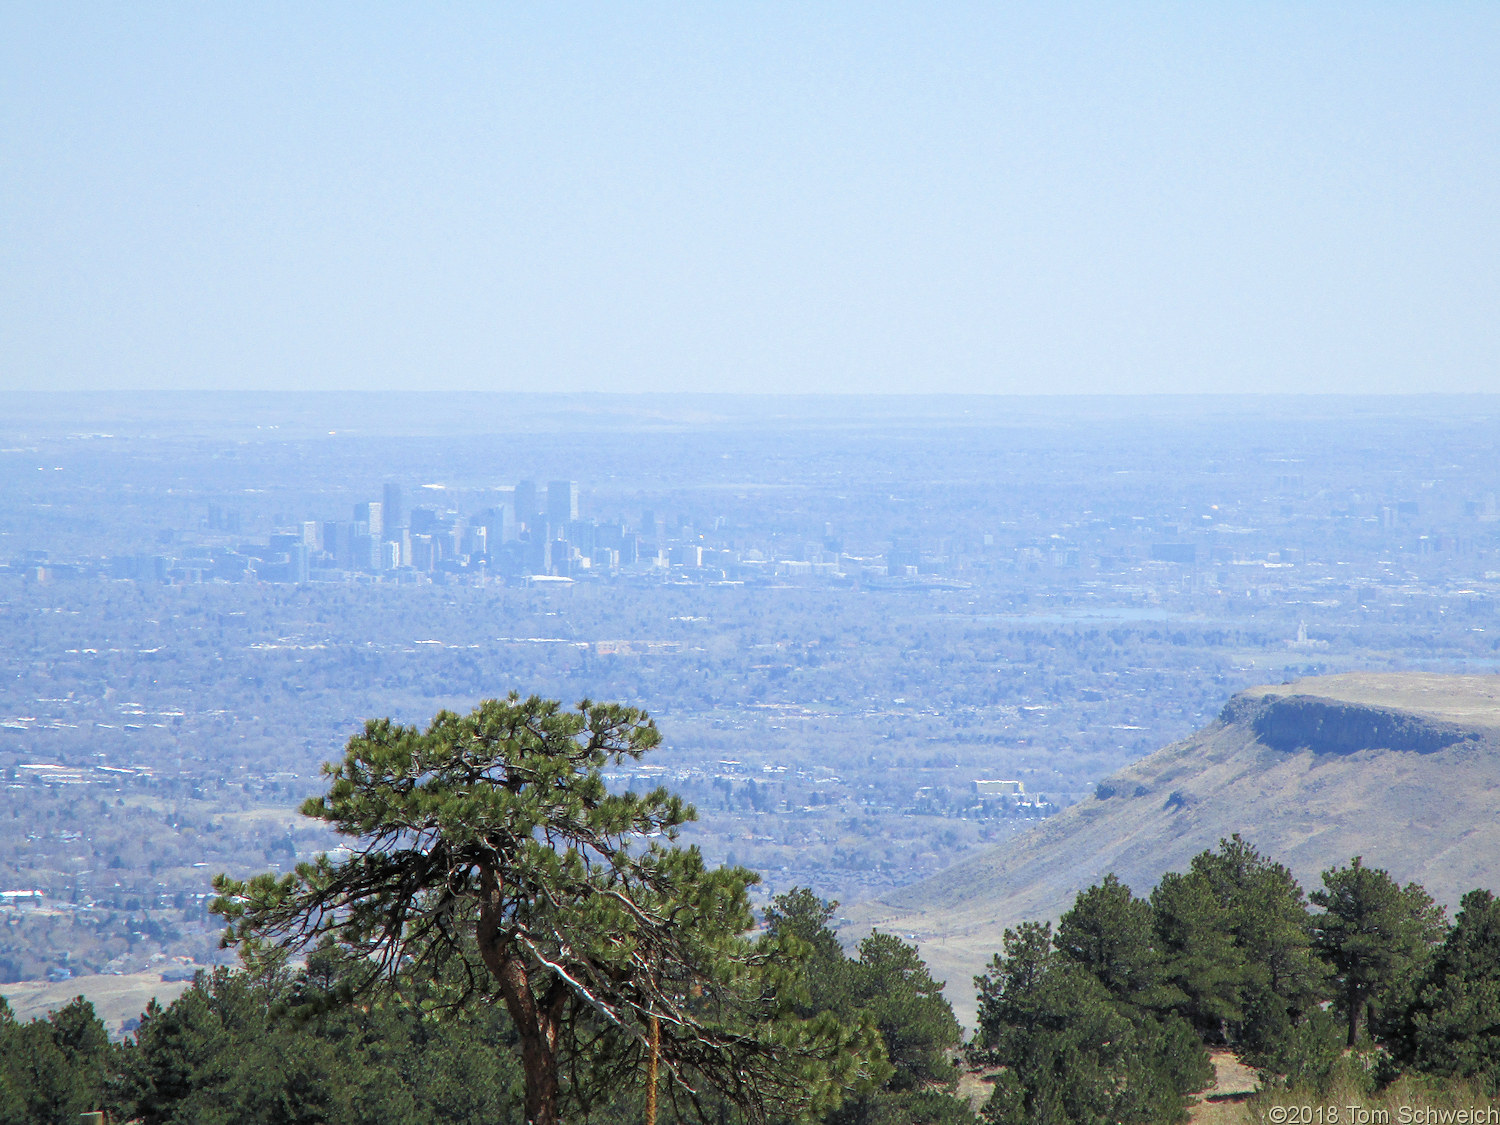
1402 769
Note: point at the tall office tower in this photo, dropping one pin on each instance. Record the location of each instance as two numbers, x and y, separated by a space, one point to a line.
652 528
422 553
562 502
365 552
580 533
297 563
535 555
392 515
336 541
311 536
357 553
607 536
221 519
525 502
496 526
903 557
369 513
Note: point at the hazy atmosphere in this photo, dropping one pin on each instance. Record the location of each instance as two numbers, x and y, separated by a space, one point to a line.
1075 198
749 564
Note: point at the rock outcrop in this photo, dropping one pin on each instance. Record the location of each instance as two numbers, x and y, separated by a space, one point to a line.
1330 726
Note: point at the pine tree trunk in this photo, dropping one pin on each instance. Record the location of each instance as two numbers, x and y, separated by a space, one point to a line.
540 1068
1353 1003
536 1023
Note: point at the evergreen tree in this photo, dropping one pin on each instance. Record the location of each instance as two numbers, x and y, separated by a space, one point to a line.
1235 936
487 851
1282 977
1109 933
1452 1025
891 982
53 1069
1375 934
889 988
286 1049
1070 1054
1204 967
216 1055
805 918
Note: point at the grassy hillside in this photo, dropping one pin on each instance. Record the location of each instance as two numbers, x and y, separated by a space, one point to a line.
115 998
1329 788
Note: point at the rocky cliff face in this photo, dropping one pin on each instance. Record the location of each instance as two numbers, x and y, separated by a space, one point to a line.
1327 726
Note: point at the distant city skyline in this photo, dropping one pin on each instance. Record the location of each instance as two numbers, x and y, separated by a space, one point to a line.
882 199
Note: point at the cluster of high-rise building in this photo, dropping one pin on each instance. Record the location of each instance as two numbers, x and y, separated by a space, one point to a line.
1268 540
535 529
539 532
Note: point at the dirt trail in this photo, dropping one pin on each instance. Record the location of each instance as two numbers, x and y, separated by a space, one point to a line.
1223 1103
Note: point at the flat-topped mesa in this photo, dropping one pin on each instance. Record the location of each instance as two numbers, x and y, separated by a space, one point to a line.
1420 712
1333 726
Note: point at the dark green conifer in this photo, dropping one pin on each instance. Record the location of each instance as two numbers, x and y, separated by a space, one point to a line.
1109 933
887 986
1069 1053
52 1070
1451 1026
1375 934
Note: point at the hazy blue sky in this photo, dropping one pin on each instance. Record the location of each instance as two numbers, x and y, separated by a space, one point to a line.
820 197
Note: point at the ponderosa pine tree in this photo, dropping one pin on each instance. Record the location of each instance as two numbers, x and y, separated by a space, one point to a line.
1281 976
1374 933
1194 932
889 987
488 851
1235 936
1109 932
1070 1053
1451 1026
286 1051
52 1070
